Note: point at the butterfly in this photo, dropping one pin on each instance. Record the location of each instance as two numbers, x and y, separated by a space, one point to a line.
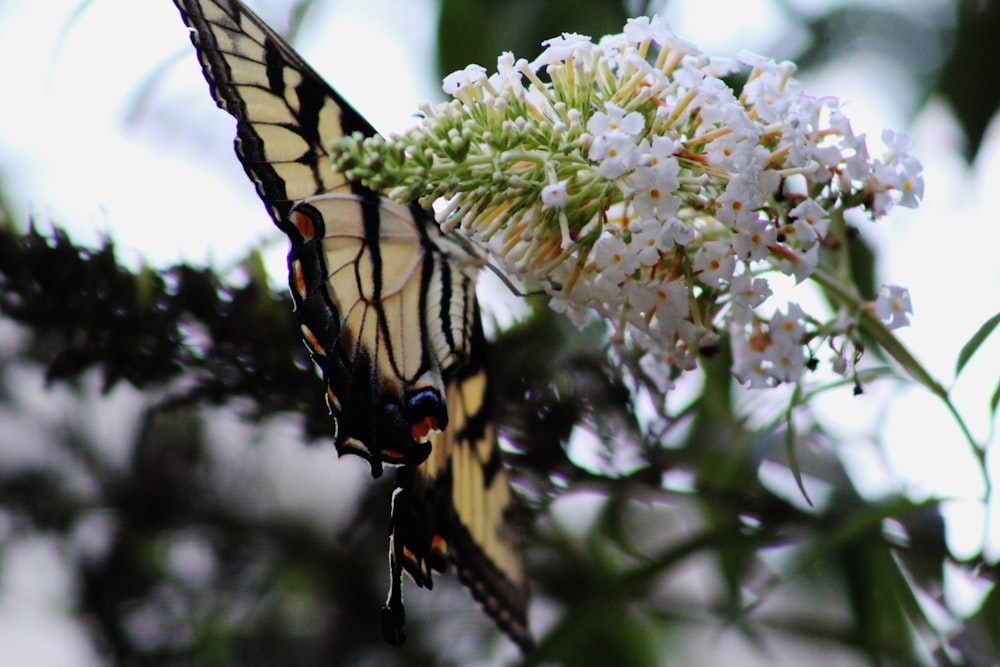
387 308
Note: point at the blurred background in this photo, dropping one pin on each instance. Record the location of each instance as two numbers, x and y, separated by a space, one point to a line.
169 493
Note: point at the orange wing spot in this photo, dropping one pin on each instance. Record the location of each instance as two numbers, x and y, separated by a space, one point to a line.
310 338
304 224
422 429
409 555
439 545
299 278
392 454
418 564
332 400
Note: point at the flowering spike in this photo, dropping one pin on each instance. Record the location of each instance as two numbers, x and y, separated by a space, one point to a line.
626 178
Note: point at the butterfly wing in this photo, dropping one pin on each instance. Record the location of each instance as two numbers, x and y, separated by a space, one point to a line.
386 305
286 115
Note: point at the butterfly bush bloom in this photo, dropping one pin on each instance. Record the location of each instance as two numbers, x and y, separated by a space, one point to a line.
627 179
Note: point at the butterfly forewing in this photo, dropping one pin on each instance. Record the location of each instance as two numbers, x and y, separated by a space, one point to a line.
287 116
386 305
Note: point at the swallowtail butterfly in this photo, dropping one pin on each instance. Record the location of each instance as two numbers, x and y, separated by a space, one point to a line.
386 304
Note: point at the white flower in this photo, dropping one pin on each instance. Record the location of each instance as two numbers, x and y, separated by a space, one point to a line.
786 361
648 242
654 186
769 95
677 232
858 163
614 259
799 264
558 49
746 293
811 222
655 29
788 328
659 312
508 76
738 204
748 362
615 154
614 120
468 77
715 98
893 306
723 150
555 194
714 263
898 144
753 243
911 183
785 353
631 183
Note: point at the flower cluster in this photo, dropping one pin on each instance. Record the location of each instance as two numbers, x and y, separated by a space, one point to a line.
625 177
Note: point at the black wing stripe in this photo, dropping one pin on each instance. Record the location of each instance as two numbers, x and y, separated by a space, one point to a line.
450 295
394 289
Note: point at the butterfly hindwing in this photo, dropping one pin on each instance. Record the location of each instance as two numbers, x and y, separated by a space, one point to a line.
386 305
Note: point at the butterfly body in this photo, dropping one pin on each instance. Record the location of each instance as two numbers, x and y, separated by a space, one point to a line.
386 306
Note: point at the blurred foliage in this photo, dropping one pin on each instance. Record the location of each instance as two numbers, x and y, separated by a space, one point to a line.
151 327
694 548
965 78
489 27
285 593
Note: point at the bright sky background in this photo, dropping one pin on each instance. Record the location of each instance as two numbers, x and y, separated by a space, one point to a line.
109 129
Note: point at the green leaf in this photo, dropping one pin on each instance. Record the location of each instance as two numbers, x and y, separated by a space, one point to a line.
973 343
995 399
